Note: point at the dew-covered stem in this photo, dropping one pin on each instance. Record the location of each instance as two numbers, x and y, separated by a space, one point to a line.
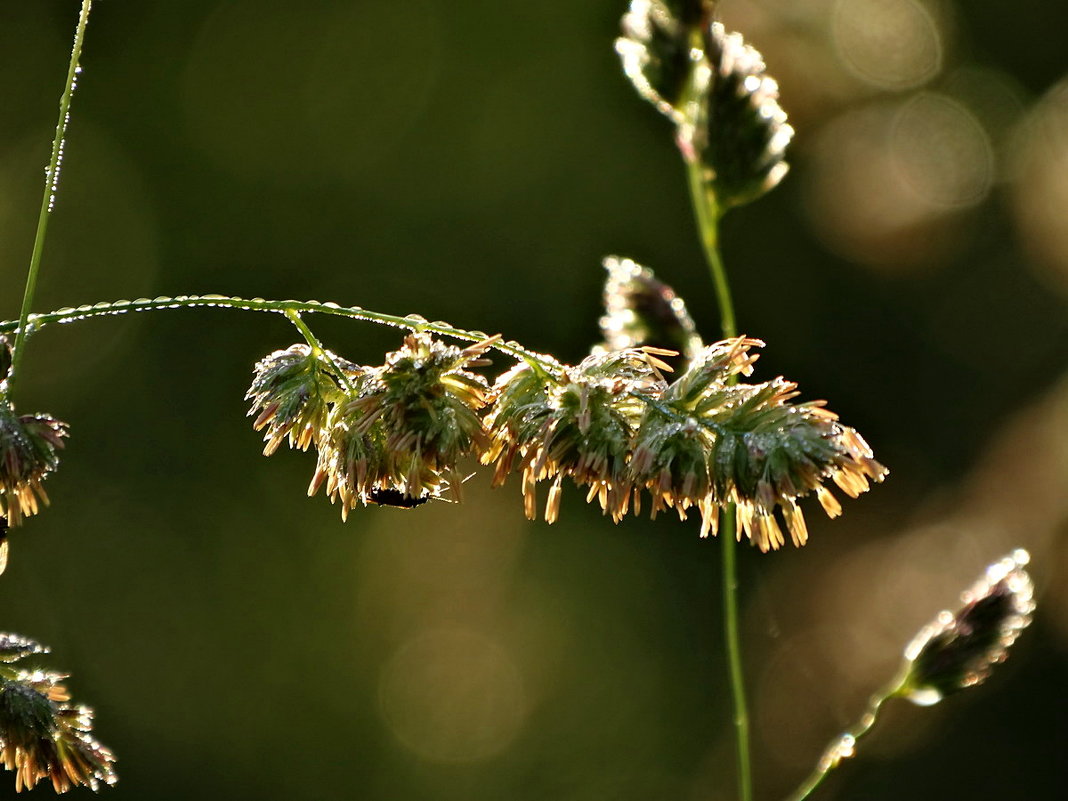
843 746
51 188
284 307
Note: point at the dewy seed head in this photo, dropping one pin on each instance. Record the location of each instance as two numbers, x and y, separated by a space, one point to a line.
958 649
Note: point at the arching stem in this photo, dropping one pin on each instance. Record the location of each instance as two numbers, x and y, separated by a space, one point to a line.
284 307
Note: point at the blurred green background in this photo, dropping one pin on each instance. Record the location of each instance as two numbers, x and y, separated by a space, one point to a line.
473 162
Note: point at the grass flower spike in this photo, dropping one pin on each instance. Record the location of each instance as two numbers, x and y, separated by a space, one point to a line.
579 423
733 126
713 86
958 649
291 392
642 310
656 48
615 425
709 442
29 446
42 736
405 425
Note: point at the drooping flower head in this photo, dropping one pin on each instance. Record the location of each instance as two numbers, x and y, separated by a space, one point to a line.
405 425
29 446
42 736
578 423
291 393
615 425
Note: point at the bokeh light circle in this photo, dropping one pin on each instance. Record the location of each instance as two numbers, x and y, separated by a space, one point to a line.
890 44
452 695
887 181
941 151
1040 189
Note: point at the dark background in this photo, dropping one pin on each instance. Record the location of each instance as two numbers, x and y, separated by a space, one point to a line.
473 162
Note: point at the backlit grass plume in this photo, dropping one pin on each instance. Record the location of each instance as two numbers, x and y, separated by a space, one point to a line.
615 425
656 48
579 423
734 126
291 394
42 736
642 310
958 649
760 451
29 446
405 425
713 86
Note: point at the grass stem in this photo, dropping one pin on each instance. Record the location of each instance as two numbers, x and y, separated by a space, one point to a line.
284 307
842 746
707 214
48 200
317 348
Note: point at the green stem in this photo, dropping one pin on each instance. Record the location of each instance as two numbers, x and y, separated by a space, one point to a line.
51 188
736 674
707 214
842 746
317 348
411 322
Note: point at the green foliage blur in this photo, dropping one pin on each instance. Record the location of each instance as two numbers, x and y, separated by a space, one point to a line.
473 162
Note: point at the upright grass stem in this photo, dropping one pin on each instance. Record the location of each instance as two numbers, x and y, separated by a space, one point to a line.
707 214
51 188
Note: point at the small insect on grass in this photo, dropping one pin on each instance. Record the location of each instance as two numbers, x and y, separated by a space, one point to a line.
390 496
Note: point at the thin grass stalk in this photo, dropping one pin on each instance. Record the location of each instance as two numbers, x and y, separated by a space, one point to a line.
51 188
843 745
707 214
